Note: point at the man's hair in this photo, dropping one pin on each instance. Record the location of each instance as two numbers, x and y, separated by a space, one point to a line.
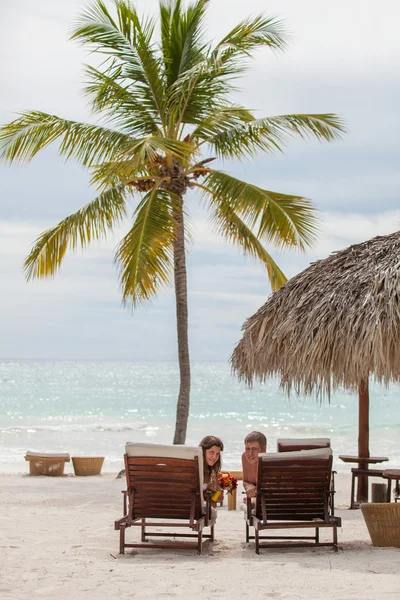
256 437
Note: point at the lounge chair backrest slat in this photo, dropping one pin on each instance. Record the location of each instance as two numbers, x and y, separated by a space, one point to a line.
304 455
295 485
167 450
164 479
293 444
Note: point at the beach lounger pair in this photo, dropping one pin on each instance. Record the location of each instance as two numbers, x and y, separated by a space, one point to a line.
165 489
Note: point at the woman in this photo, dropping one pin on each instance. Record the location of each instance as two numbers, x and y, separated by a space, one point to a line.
212 448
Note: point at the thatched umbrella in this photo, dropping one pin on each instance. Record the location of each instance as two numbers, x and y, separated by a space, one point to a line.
331 326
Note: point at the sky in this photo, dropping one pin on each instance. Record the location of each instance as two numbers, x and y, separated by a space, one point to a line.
343 57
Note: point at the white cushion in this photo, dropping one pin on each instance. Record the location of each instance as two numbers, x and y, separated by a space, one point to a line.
317 453
48 454
167 451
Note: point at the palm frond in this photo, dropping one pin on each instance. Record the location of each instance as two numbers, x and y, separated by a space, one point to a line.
153 92
122 103
33 131
325 127
229 225
270 134
127 40
145 255
197 89
224 62
22 139
90 223
146 150
281 219
250 35
208 81
224 118
96 27
181 37
109 174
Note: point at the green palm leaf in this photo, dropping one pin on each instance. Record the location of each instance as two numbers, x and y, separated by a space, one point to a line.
110 174
229 225
223 118
22 139
127 40
206 80
33 131
248 36
97 28
181 37
121 102
90 223
270 134
281 219
145 255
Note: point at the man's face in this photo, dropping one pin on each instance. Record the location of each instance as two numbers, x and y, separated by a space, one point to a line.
252 450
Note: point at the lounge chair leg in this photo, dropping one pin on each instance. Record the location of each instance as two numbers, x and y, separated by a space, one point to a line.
335 544
247 533
212 534
257 541
143 530
122 540
353 479
199 542
317 535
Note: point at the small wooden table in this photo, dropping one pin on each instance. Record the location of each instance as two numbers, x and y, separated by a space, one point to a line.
232 496
362 459
363 468
390 475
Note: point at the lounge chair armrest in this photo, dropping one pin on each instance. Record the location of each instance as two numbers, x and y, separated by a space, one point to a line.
124 505
207 496
249 508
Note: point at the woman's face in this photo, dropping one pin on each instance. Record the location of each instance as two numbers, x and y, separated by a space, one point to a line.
212 455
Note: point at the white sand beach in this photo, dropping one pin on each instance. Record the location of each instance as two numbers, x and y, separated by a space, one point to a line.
57 541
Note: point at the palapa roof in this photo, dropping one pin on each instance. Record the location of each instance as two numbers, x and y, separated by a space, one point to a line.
331 325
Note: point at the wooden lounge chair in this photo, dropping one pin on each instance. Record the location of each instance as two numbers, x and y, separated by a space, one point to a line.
293 490
297 444
165 489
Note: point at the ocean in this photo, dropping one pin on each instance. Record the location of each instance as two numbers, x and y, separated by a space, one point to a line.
93 408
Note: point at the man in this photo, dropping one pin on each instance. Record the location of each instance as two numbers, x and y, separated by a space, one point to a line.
255 442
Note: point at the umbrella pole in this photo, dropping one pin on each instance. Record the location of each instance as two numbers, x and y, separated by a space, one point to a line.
363 437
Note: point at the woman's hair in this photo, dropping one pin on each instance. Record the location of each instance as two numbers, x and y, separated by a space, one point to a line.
256 437
206 443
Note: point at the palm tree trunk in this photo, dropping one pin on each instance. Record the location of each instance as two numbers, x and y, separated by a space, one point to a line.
180 277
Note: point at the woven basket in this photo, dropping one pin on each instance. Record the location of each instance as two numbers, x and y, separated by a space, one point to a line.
87 465
383 522
46 465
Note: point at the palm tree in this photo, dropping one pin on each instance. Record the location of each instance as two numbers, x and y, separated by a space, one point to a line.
166 113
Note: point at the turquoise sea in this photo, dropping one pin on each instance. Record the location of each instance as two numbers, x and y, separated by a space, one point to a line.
93 408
